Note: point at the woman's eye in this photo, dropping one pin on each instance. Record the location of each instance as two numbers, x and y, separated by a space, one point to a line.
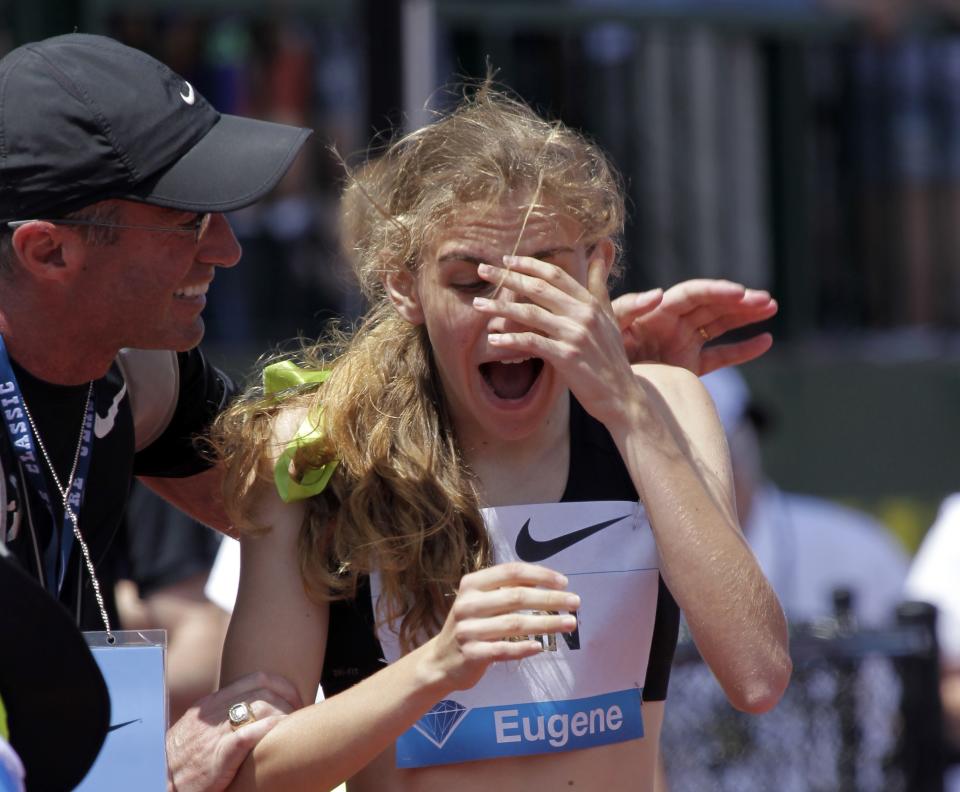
473 286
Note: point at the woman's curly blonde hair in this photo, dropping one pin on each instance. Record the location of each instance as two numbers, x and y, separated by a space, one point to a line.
402 499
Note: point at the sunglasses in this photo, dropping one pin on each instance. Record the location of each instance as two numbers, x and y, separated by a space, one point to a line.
197 227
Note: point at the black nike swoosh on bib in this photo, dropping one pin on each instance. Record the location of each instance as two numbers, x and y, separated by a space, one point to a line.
125 723
529 549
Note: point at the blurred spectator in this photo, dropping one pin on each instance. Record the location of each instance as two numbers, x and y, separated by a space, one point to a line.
902 95
886 17
224 580
807 546
909 147
933 578
684 109
160 562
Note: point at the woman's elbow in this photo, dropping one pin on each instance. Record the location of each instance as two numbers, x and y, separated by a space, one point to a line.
764 689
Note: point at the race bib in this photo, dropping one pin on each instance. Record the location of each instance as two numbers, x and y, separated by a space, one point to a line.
586 689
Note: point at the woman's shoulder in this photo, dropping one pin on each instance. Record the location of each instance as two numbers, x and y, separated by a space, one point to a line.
683 393
268 507
672 381
285 424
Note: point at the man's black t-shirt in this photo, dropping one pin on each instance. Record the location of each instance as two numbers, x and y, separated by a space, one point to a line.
57 412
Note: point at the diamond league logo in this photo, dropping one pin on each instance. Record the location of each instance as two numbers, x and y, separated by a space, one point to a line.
441 721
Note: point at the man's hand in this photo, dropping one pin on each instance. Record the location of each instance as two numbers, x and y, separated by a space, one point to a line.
204 752
672 327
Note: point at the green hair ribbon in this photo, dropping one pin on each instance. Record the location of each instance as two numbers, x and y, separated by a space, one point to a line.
280 377
4 729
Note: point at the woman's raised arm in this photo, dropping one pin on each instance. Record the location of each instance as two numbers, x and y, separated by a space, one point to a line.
673 445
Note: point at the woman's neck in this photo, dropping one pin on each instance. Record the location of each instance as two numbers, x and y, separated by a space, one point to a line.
529 470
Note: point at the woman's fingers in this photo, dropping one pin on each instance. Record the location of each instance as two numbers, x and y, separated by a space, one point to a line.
551 306
552 329
507 601
514 598
501 613
523 313
570 326
597 282
515 625
512 573
550 286
486 652
545 284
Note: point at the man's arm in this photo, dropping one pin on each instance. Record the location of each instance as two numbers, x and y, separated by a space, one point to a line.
191 392
199 496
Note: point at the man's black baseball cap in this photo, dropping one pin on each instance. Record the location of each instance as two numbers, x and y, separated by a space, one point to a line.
84 118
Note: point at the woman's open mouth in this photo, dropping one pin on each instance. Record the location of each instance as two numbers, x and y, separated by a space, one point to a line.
512 379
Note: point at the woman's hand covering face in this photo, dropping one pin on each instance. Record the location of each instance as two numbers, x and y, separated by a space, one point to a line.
572 327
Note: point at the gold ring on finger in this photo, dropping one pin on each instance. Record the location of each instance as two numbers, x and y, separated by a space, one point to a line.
240 714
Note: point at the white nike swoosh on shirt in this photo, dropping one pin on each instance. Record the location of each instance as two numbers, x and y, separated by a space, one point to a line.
189 96
103 425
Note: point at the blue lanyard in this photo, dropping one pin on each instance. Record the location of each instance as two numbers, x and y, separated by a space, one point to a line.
24 446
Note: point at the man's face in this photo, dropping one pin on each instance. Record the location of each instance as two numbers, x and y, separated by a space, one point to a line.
148 288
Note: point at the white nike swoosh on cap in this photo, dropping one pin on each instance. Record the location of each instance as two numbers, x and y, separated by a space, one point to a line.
102 426
189 96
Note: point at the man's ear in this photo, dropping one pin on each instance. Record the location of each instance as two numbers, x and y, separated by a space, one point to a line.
401 288
39 249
